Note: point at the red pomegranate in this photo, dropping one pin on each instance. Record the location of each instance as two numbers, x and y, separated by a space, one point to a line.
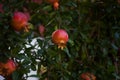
88 76
10 66
55 3
7 68
41 29
60 37
19 21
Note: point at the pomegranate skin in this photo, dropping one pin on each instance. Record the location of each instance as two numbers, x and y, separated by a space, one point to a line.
60 37
19 21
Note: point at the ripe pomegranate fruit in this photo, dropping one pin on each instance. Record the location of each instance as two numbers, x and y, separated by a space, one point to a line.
19 21
55 3
88 76
10 66
7 68
41 29
60 37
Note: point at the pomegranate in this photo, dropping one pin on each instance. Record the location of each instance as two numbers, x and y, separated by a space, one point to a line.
19 21
7 68
41 29
87 76
10 66
60 37
56 5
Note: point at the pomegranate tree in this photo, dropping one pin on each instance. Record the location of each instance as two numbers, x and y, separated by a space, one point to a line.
91 51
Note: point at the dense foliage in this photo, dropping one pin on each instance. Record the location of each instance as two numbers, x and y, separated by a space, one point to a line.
93 27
